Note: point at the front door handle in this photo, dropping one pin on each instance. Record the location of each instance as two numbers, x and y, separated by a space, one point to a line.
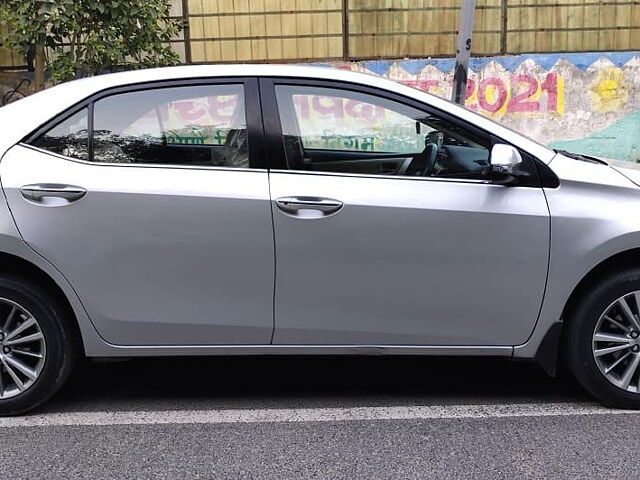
40 192
305 206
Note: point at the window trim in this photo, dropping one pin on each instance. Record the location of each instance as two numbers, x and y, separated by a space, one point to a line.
274 146
481 181
140 165
253 116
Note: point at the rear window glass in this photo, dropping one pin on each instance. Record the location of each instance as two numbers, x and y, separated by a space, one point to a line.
69 138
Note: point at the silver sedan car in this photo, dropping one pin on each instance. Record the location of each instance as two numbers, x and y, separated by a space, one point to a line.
258 210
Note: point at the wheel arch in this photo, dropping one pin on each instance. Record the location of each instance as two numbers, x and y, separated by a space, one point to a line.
624 259
548 353
13 265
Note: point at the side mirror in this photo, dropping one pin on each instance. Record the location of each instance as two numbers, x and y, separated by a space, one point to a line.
506 165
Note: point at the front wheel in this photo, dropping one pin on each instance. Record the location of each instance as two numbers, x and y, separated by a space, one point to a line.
602 340
36 346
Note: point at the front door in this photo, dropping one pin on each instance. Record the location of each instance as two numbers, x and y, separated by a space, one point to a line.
148 203
388 231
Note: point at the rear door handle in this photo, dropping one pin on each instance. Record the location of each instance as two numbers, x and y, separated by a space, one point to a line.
40 191
296 206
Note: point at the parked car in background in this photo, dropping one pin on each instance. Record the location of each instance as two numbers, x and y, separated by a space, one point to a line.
256 209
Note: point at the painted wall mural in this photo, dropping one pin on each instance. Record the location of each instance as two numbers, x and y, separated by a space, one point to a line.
585 102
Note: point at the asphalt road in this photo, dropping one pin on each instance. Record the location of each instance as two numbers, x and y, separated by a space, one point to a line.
320 418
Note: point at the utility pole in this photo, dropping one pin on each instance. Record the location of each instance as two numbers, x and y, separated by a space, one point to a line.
465 30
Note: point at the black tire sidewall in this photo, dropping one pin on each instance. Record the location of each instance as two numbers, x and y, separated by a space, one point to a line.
582 321
60 351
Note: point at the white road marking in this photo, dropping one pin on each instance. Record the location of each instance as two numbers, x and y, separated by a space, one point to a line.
179 417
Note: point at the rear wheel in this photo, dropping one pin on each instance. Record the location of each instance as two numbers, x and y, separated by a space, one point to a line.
603 340
36 346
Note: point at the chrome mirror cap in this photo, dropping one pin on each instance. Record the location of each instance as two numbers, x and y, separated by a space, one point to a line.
504 159
507 166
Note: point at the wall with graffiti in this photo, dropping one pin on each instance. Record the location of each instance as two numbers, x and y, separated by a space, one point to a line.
585 102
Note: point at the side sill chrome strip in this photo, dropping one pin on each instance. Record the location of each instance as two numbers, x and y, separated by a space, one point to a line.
169 350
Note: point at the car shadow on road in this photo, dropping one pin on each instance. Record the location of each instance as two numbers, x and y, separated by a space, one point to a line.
306 382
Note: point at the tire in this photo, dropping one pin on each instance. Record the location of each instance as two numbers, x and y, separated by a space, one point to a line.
59 344
579 341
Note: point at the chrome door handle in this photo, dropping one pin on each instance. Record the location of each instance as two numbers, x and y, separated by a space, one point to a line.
38 192
294 205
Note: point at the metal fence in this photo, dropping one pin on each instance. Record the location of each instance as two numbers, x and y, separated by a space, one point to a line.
318 30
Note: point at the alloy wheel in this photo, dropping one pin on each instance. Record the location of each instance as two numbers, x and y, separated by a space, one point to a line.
22 349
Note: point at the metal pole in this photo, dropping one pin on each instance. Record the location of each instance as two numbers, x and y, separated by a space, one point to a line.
186 31
504 16
463 51
345 30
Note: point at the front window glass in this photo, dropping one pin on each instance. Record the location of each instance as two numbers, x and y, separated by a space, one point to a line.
336 130
335 122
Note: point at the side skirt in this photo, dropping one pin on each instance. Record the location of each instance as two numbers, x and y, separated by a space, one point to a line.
108 350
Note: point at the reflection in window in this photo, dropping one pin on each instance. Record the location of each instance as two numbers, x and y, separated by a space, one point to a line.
336 130
69 138
332 122
200 125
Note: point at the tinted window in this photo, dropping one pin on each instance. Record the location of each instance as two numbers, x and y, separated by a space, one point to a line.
69 138
337 130
199 125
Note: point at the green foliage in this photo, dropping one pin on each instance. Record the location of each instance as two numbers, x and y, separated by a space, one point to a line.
87 37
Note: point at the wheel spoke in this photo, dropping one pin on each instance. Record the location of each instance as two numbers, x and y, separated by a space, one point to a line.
27 353
7 322
617 362
23 326
21 367
636 297
14 376
608 350
625 380
29 338
611 337
617 323
631 318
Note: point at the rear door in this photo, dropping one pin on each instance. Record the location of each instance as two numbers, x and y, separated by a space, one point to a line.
153 203
388 229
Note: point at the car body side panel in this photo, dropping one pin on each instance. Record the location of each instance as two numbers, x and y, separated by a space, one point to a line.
409 261
12 243
595 214
159 256
563 277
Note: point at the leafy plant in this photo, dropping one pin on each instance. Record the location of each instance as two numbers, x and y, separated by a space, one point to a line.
77 38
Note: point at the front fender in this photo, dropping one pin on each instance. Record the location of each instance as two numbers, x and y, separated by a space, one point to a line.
595 215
